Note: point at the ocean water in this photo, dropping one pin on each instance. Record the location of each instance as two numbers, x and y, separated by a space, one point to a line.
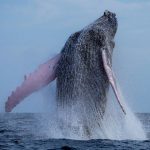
25 132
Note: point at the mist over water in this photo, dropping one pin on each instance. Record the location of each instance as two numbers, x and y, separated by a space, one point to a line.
115 124
118 126
24 131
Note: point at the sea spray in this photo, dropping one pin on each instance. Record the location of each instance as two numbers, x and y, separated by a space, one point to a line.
118 126
115 124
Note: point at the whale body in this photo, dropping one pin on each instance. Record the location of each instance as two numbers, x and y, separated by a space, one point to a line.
83 70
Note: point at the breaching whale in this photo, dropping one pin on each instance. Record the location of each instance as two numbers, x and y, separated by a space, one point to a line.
83 70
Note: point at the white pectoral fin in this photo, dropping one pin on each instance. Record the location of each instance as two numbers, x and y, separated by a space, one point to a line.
36 80
111 78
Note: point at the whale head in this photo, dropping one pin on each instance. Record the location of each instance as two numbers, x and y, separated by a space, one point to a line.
108 23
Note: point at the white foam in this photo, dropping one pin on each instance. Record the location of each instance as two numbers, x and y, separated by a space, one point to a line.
115 124
118 126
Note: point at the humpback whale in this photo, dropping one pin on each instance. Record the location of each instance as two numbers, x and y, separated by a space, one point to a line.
83 71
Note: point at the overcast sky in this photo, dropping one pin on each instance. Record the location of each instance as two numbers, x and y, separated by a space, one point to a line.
32 31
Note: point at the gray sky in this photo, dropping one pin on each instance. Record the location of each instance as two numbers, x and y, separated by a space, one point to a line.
32 31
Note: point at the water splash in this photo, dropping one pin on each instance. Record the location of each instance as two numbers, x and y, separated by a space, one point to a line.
118 126
114 125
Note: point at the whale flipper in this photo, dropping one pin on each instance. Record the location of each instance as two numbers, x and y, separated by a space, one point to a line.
111 77
36 80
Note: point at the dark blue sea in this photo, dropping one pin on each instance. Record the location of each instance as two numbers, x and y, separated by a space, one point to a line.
23 132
